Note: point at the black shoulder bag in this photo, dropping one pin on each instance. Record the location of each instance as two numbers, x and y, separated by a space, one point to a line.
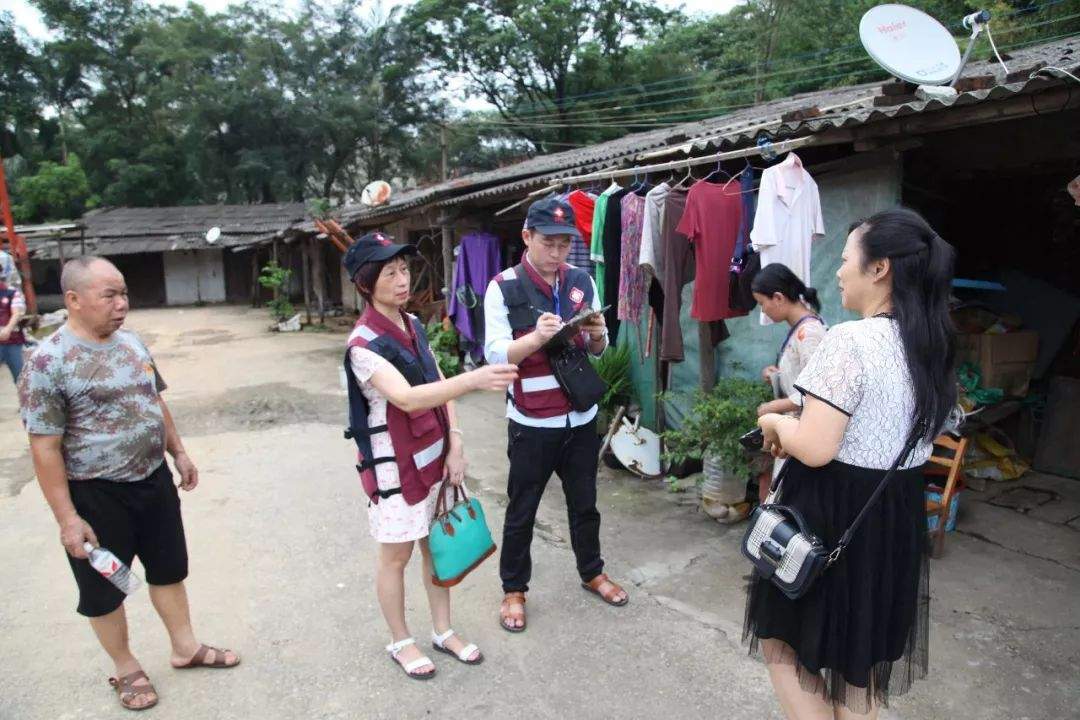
570 364
781 545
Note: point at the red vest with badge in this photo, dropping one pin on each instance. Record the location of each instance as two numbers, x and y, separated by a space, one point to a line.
419 438
536 392
7 297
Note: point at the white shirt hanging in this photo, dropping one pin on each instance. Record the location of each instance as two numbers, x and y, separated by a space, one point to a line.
788 218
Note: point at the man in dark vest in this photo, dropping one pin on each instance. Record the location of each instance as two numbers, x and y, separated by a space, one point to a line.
524 307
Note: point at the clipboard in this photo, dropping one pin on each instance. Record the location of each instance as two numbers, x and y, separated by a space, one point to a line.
572 326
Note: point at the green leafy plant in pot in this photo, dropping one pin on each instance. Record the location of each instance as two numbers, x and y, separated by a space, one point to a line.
711 432
277 279
613 367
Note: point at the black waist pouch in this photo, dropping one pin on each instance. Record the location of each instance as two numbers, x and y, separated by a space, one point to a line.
576 376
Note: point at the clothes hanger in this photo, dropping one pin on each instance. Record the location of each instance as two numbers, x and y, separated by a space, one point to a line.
755 167
689 175
644 186
735 177
712 177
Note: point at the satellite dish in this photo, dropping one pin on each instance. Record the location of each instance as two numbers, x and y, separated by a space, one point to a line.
376 193
637 448
213 234
910 44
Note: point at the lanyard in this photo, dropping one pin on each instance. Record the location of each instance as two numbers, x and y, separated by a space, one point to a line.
555 297
792 332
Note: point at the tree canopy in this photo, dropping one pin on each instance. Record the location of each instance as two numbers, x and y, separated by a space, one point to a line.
128 103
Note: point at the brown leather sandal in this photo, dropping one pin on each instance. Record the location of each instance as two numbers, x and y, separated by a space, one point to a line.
607 590
129 692
507 614
198 660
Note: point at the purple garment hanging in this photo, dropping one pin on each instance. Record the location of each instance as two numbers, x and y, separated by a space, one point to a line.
478 262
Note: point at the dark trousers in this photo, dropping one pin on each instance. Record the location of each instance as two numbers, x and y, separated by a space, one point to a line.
536 453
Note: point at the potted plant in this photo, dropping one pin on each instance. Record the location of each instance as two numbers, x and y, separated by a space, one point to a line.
613 367
711 432
277 279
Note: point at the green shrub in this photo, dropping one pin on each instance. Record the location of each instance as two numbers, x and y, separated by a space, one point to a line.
277 278
444 344
613 367
716 421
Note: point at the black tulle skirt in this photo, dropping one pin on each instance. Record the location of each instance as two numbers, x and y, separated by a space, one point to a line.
861 634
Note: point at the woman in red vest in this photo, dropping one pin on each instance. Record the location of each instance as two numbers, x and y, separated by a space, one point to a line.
403 418
12 307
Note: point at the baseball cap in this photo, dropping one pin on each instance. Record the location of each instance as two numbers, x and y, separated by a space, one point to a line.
373 247
551 216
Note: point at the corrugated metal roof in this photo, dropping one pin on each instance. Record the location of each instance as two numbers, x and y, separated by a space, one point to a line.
136 244
840 107
192 220
127 230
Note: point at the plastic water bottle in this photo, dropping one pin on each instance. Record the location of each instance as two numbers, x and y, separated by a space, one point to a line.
112 569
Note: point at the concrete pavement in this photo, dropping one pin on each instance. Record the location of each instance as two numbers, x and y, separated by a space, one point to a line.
282 571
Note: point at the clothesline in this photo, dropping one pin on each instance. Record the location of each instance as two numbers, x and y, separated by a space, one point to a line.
782 146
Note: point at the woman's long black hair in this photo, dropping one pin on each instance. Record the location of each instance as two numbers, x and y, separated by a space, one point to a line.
922 271
778 278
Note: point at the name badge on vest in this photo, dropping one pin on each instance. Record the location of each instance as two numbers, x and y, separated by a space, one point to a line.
577 296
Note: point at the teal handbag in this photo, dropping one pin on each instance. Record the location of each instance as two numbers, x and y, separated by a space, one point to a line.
459 538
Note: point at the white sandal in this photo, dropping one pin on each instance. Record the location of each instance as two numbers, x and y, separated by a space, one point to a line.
439 643
395 647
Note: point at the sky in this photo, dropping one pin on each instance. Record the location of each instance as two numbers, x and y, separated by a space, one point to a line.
27 17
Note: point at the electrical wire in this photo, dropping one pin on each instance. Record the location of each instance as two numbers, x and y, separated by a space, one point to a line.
993 44
555 115
1057 69
600 115
619 112
648 122
630 89
703 84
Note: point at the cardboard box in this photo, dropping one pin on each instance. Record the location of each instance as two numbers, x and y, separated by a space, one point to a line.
1006 360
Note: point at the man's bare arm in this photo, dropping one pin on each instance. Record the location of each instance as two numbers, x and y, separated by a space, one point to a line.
52 477
189 475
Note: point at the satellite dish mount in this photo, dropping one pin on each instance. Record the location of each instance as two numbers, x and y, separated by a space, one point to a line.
977 22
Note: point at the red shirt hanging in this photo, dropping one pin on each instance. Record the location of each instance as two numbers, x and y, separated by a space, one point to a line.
711 222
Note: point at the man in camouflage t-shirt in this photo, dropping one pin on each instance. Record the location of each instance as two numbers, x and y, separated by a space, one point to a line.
99 431
102 398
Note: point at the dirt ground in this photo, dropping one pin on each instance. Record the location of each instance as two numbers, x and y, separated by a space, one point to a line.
282 571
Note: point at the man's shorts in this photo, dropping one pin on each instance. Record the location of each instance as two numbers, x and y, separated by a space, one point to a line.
130 519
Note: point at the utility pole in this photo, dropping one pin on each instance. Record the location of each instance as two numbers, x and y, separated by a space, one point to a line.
446 232
14 244
444 148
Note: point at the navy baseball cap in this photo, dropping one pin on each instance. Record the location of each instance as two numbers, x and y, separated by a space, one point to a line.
551 216
373 247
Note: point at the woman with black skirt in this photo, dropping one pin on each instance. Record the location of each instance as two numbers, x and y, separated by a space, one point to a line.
860 635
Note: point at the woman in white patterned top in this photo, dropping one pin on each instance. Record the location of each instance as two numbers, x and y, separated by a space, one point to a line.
860 635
